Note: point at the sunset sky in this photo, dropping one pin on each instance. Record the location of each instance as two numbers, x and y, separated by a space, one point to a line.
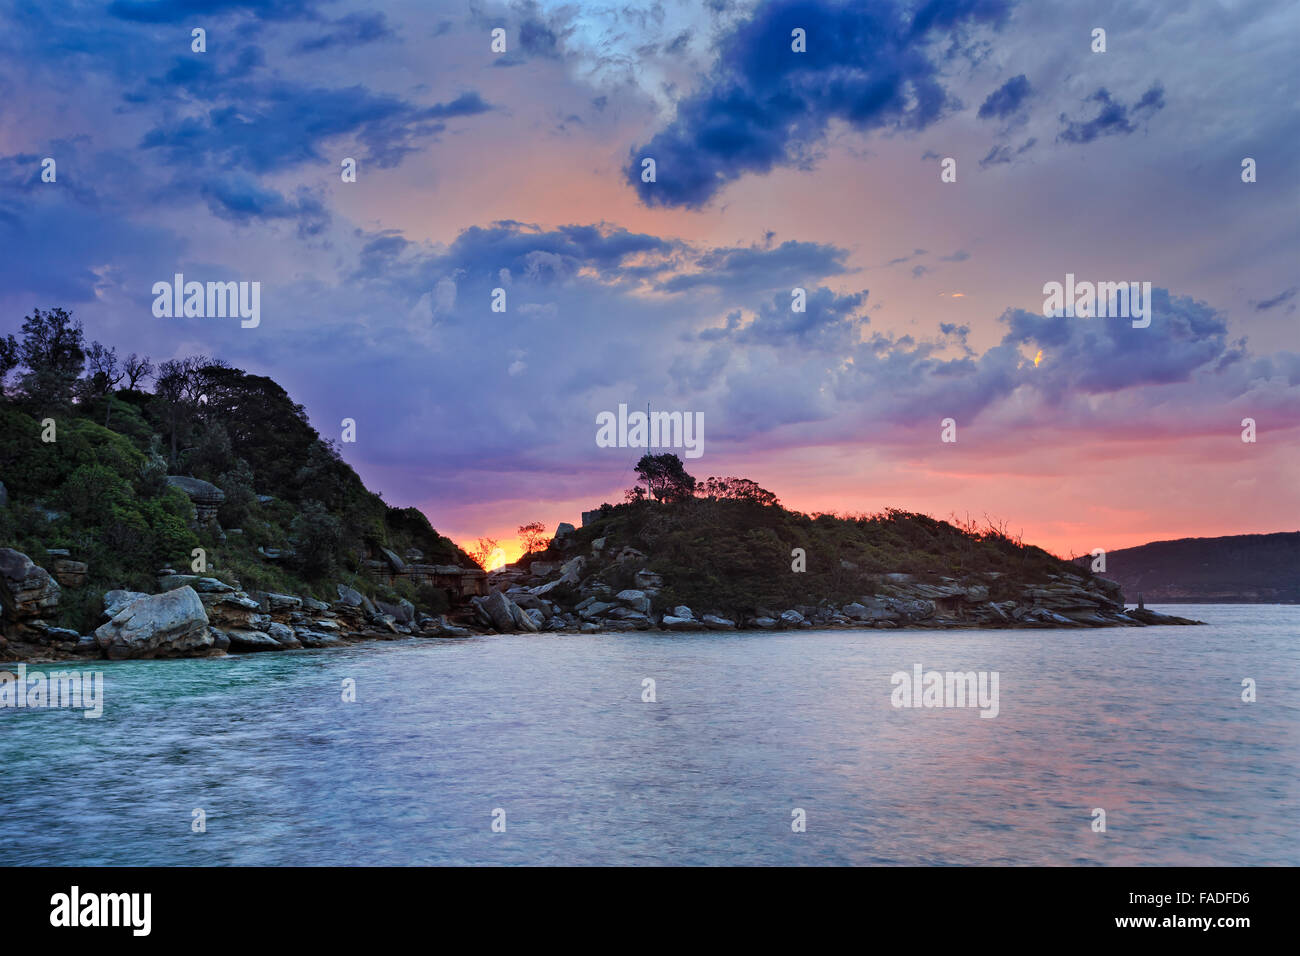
820 170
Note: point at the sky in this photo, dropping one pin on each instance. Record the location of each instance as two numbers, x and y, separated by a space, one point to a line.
822 170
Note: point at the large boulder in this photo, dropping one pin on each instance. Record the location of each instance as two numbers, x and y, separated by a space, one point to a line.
26 591
673 623
498 611
69 573
637 600
283 634
244 640
354 598
115 600
174 624
403 612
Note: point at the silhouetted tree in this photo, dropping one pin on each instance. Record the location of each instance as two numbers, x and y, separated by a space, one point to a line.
53 350
104 374
665 477
138 369
532 536
9 359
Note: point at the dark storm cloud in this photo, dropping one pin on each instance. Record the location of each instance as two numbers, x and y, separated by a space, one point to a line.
1006 99
765 106
352 30
1113 117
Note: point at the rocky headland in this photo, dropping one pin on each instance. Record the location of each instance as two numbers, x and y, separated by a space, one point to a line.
199 616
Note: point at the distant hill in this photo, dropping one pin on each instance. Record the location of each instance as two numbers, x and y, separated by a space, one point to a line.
1238 569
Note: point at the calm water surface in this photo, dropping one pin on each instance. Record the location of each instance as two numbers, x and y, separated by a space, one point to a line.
1146 723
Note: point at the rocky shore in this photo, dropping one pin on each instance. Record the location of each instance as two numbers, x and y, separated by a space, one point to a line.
196 616
573 596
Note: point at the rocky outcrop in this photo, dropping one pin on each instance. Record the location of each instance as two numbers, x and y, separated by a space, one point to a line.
500 612
27 592
173 624
205 496
576 596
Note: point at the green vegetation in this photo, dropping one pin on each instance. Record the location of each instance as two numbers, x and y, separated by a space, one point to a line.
728 545
100 491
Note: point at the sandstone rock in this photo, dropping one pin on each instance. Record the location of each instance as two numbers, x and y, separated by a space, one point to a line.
598 545
715 623
571 571
682 610
649 579
232 610
637 600
283 635
70 574
403 612
596 609
241 640
548 587
523 619
498 611
203 585
174 624
26 591
541 569
354 598
674 623
792 618
114 601
205 496
317 639
765 623
563 530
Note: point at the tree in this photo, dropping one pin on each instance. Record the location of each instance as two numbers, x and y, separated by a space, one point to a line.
532 536
483 551
174 388
736 489
137 369
317 539
53 351
665 477
104 375
9 358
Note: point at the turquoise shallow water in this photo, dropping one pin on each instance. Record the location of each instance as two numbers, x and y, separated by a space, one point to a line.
1145 723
